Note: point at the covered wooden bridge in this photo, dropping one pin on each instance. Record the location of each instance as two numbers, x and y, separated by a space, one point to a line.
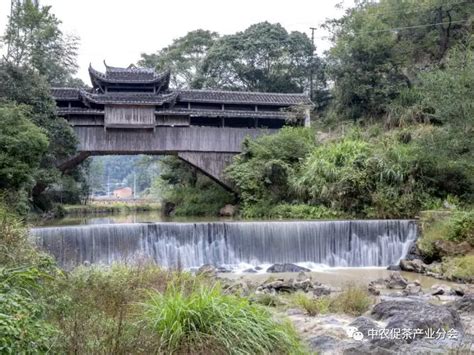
133 111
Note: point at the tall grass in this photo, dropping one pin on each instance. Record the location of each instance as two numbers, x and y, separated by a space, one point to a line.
204 321
312 306
352 300
96 309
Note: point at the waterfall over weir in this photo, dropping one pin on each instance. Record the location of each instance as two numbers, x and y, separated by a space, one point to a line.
334 243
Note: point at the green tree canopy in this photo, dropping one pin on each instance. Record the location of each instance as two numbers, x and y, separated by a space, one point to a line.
183 57
380 47
22 145
264 57
34 38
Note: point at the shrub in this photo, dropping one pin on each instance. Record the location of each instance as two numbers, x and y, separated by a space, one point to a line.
203 320
301 211
197 201
23 328
335 175
461 227
262 172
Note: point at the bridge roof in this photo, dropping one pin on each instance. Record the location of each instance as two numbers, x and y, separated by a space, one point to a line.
66 94
223 113
198 96
130 75
243 97
121 98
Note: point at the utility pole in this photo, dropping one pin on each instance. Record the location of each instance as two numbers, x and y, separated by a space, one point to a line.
12 3
134 184
311 64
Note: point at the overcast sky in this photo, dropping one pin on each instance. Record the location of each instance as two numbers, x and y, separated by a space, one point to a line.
120 30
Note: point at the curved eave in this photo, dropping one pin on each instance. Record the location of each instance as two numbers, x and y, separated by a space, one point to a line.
124 100
63 111
99 79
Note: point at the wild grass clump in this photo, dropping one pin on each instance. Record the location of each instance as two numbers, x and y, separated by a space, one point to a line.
96 309
455 227
204 321
459 268
352 300
268 300
15 247
313 306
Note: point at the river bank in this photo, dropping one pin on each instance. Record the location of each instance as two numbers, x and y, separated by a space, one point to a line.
359 311
111 206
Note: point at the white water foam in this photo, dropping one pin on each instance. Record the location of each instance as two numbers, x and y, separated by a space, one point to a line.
316 245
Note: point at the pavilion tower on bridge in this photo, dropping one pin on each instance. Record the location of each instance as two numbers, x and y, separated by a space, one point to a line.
134 111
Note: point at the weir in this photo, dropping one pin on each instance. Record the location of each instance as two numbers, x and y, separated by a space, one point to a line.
187 245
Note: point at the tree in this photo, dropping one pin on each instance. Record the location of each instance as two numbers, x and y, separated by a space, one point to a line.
380 47
24 85
33 38
448 94
22 144
264 57
183 57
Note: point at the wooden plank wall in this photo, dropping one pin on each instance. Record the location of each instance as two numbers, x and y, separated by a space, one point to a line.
129 116
164 139
172 121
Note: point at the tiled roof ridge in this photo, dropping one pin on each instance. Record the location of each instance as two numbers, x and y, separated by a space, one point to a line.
241 92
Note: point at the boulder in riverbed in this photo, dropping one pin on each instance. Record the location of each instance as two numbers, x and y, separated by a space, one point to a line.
364 324
396 280
321 290
375 286
250 271
465 304
441 289
415 314
227 211
224 269
286 268
415 265
413 289
207 270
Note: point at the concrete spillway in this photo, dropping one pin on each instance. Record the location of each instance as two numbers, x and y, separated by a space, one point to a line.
186 245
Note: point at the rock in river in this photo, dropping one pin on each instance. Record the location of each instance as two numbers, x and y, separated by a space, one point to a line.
287 268
415 314
396 280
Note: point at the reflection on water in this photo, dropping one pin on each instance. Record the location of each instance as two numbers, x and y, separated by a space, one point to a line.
129 217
